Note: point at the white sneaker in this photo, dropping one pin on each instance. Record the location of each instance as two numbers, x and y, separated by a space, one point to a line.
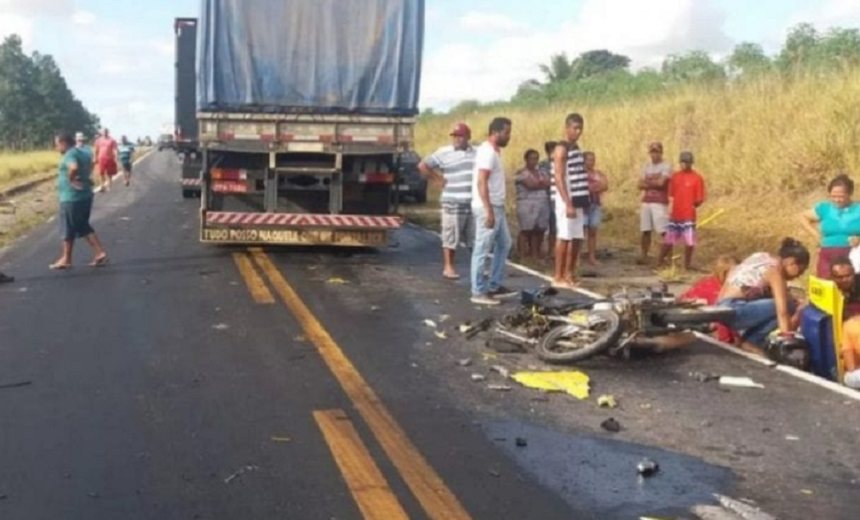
484 299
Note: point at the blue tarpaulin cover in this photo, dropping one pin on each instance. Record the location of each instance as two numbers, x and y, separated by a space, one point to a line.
336 56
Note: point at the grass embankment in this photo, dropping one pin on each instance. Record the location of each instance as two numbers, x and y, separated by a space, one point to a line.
766 149
16 168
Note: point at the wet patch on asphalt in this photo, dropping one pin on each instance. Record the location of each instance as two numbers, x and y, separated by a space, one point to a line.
596 474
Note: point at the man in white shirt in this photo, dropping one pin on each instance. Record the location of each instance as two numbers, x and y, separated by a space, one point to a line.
488 210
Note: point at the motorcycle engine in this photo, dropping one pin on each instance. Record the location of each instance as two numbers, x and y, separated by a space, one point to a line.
792 351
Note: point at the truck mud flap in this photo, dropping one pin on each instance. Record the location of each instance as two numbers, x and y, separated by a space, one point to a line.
289 229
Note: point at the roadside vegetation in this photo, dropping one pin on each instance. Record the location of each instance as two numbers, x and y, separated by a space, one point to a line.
768 132
20 167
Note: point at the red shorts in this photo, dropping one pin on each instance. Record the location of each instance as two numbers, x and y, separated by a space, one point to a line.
107 166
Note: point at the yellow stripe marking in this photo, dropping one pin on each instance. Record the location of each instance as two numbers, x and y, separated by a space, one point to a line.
254 281
434 496
366 483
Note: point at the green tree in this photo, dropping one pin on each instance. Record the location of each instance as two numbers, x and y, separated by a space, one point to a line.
800 48
596 63
558 69
693 67
747 60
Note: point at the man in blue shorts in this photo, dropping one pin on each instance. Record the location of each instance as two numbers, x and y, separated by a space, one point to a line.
126 153
75 186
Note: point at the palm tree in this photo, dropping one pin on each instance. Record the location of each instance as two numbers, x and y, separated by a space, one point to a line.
559 68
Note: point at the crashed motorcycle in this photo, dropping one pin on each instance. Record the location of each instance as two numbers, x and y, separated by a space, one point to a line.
568 329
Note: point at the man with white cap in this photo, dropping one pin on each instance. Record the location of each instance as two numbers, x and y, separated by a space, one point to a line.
452 168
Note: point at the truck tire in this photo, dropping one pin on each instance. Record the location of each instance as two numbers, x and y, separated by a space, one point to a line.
695 315
600 336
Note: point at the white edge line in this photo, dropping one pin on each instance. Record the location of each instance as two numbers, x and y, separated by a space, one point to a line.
809 378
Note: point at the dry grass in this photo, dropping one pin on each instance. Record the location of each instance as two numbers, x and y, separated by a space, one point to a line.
766 150
15 168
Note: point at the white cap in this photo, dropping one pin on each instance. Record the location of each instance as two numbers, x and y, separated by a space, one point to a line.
80 136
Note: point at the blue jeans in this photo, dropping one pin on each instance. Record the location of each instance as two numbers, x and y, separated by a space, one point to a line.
754 319
497 240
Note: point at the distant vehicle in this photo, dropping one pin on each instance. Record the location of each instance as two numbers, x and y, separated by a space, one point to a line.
411 183
165 141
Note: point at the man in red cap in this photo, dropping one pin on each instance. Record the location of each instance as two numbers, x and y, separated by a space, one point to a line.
654 184
452 168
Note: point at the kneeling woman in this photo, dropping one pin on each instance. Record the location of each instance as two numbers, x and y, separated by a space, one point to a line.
757 290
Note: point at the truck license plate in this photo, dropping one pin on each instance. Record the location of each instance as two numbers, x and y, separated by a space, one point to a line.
229 187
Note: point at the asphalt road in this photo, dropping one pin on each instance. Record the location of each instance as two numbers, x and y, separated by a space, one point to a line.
190 381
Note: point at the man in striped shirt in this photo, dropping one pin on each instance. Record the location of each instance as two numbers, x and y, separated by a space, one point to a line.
452 167
572 198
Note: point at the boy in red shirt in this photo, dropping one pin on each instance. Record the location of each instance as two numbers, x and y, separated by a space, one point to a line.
687 191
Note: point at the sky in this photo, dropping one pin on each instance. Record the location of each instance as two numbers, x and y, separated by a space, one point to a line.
118 56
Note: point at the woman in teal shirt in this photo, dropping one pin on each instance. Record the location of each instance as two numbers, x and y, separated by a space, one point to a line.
836 224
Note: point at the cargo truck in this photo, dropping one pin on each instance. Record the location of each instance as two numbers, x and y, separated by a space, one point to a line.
304 111
185 141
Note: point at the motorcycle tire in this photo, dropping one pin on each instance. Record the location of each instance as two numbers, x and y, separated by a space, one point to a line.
547 348
695 315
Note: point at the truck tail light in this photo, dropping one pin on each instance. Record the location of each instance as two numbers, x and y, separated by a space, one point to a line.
378 178
221 174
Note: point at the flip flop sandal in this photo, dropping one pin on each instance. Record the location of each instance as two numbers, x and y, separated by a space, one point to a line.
451 277
59 267
100 262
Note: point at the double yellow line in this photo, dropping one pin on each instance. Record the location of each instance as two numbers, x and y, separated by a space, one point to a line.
370 491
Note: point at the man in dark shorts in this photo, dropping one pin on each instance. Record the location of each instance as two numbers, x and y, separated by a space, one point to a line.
75 186
126 152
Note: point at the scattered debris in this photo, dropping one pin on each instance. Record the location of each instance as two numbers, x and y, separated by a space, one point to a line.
704 377
478 378
807 492
16 385
430 323
239 473
466 328
739 382
572 382
441 334
375 308
494 473
489 356
281 439
611 425
300 339
337 281
645 406
647 467
443 318
743 510
607 401
125 219
521 443
467 362
500 388
502 371
221 326
792 438
93 495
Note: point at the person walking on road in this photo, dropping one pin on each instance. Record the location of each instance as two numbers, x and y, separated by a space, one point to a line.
126 153
452 168
654 212
532 206
488 208
572 200
76 201
106 158
598 184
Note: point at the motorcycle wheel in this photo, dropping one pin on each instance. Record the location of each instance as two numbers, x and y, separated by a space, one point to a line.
571 343
695 315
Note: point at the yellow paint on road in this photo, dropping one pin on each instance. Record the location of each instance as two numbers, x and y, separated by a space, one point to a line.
434 496
254 281
366 483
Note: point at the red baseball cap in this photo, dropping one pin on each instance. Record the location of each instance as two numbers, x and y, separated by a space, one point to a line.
461 130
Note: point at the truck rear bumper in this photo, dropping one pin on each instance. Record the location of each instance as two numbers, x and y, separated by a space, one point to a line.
296 229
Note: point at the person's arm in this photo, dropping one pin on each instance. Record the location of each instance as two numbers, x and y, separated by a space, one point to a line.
484 194
810 222
431 172
700 192
530 182
779 289
560 160
73 175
